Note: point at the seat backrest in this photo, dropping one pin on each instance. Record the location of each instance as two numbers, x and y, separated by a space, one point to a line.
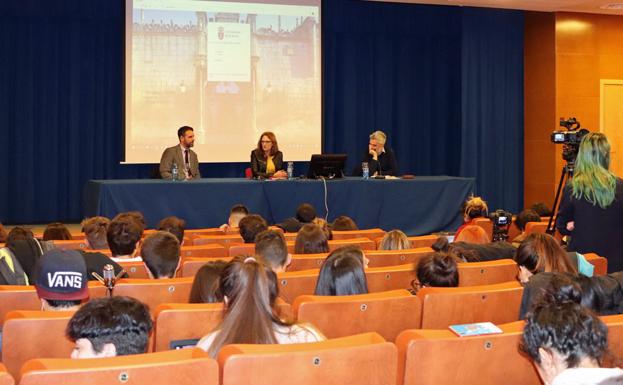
193 233
536 227
513 230
615 337
153 292
184 366
190 266
485 224
487 273
422 241
184 321
306 261
433 357
389 278
445 306
74 244
223 240
212 250
381 258
5 377
135 269
363 359
28 334
241 249
295 283
371 234
600 263
364 243
387 313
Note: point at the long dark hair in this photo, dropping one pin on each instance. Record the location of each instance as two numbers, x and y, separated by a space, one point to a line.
342 273
542 253
273 150
206 286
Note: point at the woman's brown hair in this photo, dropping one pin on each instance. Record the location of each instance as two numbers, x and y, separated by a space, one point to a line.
395 240
273 150
311 240
542 253
56 232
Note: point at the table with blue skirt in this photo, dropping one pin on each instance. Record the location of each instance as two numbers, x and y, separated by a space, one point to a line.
417 206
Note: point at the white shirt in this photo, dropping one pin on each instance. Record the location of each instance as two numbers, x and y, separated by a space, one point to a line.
121 260
590 376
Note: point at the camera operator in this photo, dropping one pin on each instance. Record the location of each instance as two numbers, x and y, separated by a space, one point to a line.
591 209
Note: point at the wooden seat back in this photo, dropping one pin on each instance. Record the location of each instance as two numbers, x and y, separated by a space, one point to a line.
382 258
389 278
241 249
371 234
387 313
5 377
306 261
600 263
422 241
536 227
135 269
363 243
153 292
487 273
223 240
212 250
190 266
485 224
295 283
74 244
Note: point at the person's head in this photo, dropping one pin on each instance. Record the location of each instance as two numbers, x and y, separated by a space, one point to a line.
3 234
436 270
136 216
591 293
186 135
173 225
236 213
95 229
542 253
19 234
267 144
541 209
560 333
250 290
342 273
344 223
109 327
56 231
305 213
395 240
526 216
473 234
250 226
61 279
160 252
270 246
460 250
123 236
206 286
311 240
377 141
592 179
324 226
475 207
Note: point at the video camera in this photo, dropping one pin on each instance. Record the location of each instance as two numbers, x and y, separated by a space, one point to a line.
570 139
502 221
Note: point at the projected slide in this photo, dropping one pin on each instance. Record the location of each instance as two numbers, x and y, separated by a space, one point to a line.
231 70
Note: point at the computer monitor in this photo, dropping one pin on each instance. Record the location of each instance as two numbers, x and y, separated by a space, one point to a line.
326 165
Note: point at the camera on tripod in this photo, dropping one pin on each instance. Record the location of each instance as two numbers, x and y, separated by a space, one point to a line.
570 138
502 221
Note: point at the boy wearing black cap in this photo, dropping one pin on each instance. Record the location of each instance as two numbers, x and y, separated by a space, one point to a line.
61 280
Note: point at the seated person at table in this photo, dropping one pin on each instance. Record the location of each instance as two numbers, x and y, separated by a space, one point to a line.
344 223
522 218
395 240
567 342
271 248
206 286
109 327
124 238
250 226
250 291
266 159
236 214
182 156
473 208
436 270
311 240
342 273
473 234
160 252
61 280
56 232
305 213
380 158
95 230
175 226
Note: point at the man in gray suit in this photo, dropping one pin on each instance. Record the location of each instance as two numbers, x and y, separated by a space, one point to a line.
181 155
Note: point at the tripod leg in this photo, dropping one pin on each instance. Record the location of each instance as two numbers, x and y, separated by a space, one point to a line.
551 228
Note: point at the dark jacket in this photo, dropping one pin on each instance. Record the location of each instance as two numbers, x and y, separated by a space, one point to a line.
385 165
258 164
96 261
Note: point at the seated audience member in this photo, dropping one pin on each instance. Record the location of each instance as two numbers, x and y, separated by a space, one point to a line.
344 223
26 251
522 219
206 286
94 230
305 213
473 208
342 273
473 234
236 213
311 240
541 209
109 327
472 252
250 226
160 252
61 280
124 237
56 232
395 240
436 270
324 226
22 233
250 290
137 216
11 270
567 342
3 234
271 248
175 226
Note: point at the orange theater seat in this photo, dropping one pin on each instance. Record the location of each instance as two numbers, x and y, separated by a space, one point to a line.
387 313
5 377
135 269
389 278
363 243
600 263
153 292
185 366
190 266
184 321
381 258
486 225
364 359
223 240
422 241
487 273
536 227
76 244
295 283
203 251
371 234
306 261
241 249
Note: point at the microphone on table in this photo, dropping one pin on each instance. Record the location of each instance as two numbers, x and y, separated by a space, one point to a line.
108 278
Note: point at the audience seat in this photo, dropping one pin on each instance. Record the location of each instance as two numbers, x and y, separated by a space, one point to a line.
536 227
184 321
193 233
295 283
381 258
371 234
34 334
203 251
184 367
364 359
241 249
153 292
600 263
486 225
135 269
615 339
434 357
190 266
421 241
306 261
513 231
387 313
74 244
389 278
445 306
487 273
223 240
5 377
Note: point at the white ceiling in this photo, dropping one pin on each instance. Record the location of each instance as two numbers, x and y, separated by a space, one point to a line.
588 6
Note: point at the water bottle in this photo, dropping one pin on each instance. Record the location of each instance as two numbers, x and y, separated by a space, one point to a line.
366 170
174 172
290 169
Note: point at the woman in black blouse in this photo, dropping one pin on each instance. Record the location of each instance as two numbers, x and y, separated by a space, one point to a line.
266 159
